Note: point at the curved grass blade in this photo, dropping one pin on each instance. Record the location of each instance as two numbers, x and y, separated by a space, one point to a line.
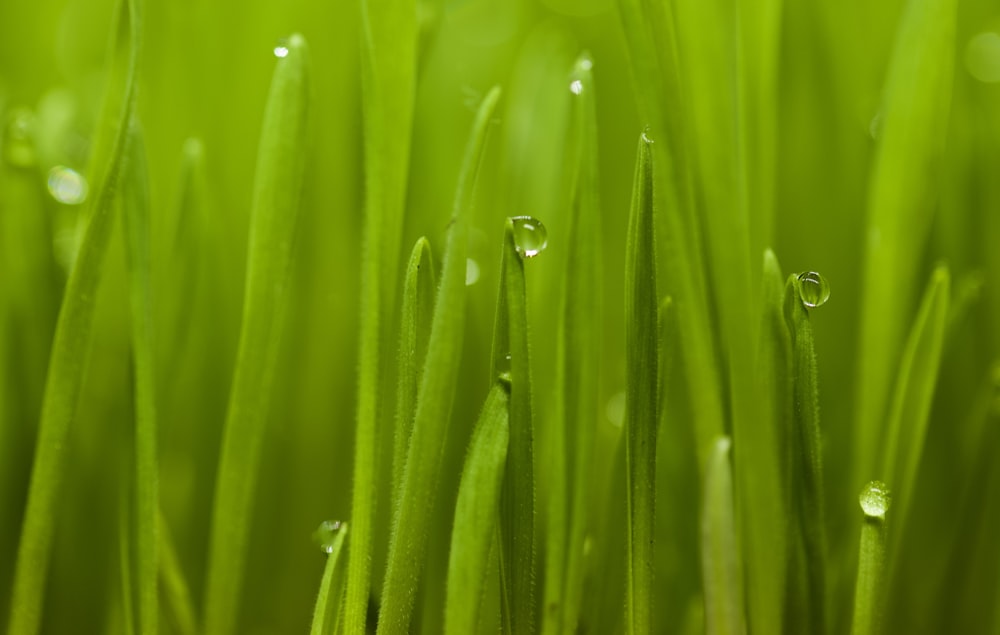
720 557
325 614
901 203
517 509
388 77
414 331
175 587
421 476
869 593
72 336
280 164
807 464
476 514
642 393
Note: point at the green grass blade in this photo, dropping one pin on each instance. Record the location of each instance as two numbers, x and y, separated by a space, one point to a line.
125 548
175 586
325 614
135 204
72 336
280 163
869 593
578 358
389 34
901 203
476 514
720 557
414 331
642 392
412 519
807 462
517 511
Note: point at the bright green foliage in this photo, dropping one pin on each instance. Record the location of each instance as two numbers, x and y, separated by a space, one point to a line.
720 560
331 587
869 594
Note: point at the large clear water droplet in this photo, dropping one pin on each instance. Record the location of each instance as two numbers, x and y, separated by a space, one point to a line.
813 289
875 499
530 236
18 138
982 57
326 533
67 186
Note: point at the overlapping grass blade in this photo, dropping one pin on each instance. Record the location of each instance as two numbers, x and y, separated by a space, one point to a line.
720 557
476 513
388 79
72 336
411 520
175 587
642 392
326 612
414 331
280 162
869 593
901 201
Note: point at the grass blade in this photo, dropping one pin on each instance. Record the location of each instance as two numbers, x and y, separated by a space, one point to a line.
174 584
388 76
869 594
280 163
414 331
642 392
901 203
412 518
72 336
476 514
325 614
721 571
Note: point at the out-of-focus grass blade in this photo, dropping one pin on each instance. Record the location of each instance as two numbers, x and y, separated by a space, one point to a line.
916 102
325 614
642 392
389 31
280 162
175 587
760 462
517 508
126 587
72 337
720 557
476 513
578 358
869 593
910 414
414 331
412 518
807 465
135 206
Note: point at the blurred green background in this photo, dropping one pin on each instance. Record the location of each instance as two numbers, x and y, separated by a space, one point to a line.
205 71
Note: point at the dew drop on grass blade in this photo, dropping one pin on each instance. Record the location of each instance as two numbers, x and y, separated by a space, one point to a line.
326 612
869 593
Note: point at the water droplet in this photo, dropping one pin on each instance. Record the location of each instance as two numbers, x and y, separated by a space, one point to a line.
982 57
875 499
645 135
67 186
326 533
471 272
530 236
281 50
586 64
576 87
18 138
615 409
813 289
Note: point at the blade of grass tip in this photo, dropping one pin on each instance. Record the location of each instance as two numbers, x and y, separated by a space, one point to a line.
869 593
579 328
175 586
760 462
414 331
280 165
476 513
328 600
641 393
807 460
411 520
72 335
517 510
388 79
135 203
911 408
720 557
901 203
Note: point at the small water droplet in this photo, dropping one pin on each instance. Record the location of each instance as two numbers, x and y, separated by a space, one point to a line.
326 533
67 186
530 236
982 57
18 138
503 370
576 87
586 64
615 409
875 499
281 50
813 289
471 272
645 135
